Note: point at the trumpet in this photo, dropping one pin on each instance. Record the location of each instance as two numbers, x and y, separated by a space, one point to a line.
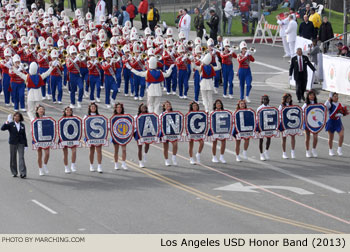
62 61
120 47
159 57
82 57
93 45
64 53
25 66
106 45
75 40
252 50
37 47
204 48
14 42
100 59
144 56
190 43
218 47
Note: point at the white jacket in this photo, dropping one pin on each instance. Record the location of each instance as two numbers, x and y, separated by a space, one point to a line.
185 22
284 25
99 10
291 31
228 9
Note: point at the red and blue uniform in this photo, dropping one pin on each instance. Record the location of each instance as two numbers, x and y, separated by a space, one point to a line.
181 65
55 81
18 88
244 73
43 62
94 79
127 77
75 80
110 81
171 81
227 71
139 82
5 81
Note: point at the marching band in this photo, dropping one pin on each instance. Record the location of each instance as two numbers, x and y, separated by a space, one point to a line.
88 57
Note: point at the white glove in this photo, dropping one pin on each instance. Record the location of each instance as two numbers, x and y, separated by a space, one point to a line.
25 149
164 24
127 65
290 78
95 62
339 115
9 118
184 57
171 66
45 56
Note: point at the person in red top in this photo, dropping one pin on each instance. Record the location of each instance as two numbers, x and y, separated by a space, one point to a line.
227 68
55 80
169 56
143 9
181 64
94 67
244 73
17 84
43 61
244 7
130 8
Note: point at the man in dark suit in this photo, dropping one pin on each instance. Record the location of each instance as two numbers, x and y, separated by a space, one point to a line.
299 65
18 143
214 25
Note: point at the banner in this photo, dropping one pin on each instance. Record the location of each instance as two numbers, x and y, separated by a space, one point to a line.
336 74
44 133
304 44
70 131
268 122
315 117
96 130
147 126
196 125
221 124
122 128
172 125
292 120
245 123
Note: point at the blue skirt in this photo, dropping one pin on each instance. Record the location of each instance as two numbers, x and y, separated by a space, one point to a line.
334 125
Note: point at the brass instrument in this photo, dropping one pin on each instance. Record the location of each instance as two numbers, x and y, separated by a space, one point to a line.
82 57
159 57
37 47
62 61
75 40
190 43
204 48
235 48
93 45
120 47
14 42
106 45
100 59
25 66
49 50
64 53
144 56
252 50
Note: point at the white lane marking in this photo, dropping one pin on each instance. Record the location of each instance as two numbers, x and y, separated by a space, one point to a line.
348 145
270 66
43 206
275 168
239 187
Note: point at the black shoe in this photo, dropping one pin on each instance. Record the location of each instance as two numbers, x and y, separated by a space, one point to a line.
23 176
299 101
303 98
14 175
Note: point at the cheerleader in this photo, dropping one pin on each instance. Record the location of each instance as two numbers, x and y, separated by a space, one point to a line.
264 155
310 99
142 110
168 108
244 73
40 113
218 105
286 101
334 123
241 104
119 110
68 111
194 106
93 110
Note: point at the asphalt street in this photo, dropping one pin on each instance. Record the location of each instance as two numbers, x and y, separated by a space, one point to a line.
304 195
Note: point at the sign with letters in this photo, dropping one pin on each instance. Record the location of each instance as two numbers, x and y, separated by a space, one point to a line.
315 117
147 126
96 130
245 123
221 123
44 133
196 125
268 122
70 131
292 120
172 126
122 128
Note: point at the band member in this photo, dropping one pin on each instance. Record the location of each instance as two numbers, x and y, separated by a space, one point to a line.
169 56
34 82
5 65
126 58
214 55
94 78
17 84
334 123
138 64
196 75
119 110
93 110
241 104
75 79
83 57
264 155
181 64
218 105
310 99
141 110
40 113
168 108
43 59
227 68
18 143
194 106
68 111
286 101
55 80
109 68
153 78
207 72
244 73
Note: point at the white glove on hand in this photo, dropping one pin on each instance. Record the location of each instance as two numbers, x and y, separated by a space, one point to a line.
127 65
25 149
339 115
290 78
9 118
164 24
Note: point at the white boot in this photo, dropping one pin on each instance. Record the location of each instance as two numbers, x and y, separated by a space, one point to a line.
116 166
292 154
267 155
314 152
262 157
92 169
214 159
66 170
308 154
247 99
244 154
173 158
79 105
145 158
99 168
41 172
45 169
124 165
284 155
192 162
73 167
198 157
238 158
331 152
340 151
167 162
141 164
222 160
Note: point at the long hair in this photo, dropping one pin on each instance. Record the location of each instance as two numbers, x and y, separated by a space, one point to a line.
191 105
115 108
307 100
284 99
89 109
239 101
36 110
331 98
164 109
64 111
140 111
214 105
265 96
